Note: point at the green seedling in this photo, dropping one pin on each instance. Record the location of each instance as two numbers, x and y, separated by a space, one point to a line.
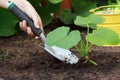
99 37
63 37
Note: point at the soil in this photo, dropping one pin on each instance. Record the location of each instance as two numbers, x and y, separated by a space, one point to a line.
22 58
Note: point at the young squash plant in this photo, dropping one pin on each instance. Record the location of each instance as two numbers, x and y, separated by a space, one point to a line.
63 37
100 37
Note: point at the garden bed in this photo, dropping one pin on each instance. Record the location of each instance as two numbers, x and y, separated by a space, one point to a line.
22 58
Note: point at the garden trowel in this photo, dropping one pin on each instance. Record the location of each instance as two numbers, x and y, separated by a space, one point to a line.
59 53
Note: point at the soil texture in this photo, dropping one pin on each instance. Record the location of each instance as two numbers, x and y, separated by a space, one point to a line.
22 58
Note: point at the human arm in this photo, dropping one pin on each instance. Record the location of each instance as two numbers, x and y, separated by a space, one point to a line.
26 7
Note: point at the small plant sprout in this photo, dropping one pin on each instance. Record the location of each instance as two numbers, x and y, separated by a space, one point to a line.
64 38
99 37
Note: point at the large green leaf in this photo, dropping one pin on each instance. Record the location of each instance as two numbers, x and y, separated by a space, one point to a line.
55 1
62 37
67 17
7 23
103 36
35 3
45 12
52 8
91 20
79 8
82 7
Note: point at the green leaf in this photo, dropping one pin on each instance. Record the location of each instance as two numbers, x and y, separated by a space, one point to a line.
83 49
81 21
55 1
66 16
79 8
103 36
7 23
45 12
92 20
62 37
35 3
82 7
45 16
52 8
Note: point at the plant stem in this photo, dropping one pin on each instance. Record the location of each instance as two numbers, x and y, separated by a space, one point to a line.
78 50
87 29
89 47
93 62
87 41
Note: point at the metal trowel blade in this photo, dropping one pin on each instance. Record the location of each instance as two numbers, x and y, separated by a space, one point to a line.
63 55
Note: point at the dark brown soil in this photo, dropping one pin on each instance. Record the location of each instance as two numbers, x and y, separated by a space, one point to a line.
22 58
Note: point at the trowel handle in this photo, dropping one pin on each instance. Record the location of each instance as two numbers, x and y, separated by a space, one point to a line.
22 16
